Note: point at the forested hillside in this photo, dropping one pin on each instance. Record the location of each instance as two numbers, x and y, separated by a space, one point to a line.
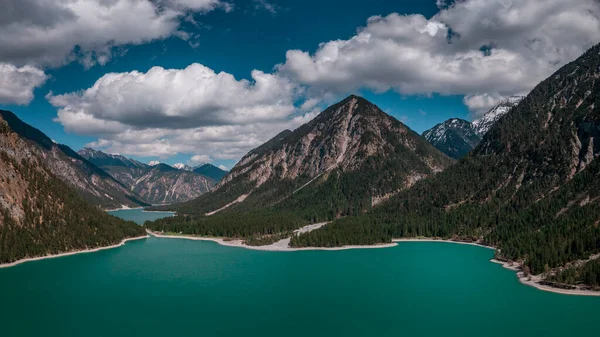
39 213
531 187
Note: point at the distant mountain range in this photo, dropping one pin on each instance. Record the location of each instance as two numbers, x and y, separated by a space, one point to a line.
456 137
155 183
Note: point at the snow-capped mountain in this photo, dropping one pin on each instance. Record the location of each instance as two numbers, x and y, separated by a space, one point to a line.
483 124
455 137
182 166
100 159
154 163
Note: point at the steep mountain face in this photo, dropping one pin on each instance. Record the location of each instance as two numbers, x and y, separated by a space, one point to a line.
482 125
40 213
155 184
163 184
101 159
95 185
352 152
530 187
455 137
210 171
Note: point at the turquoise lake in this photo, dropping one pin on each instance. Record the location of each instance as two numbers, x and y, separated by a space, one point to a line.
139 216
171 287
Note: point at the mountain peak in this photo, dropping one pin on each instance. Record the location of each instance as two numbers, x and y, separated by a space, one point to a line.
352 137
455 137
182 166
100 158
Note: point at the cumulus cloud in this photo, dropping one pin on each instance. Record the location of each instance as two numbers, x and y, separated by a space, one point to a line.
35 35
163 112
175 98
17 83
47 32
484 50
480 48
200 159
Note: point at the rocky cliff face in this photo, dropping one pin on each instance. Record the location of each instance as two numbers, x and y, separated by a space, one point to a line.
455 137
94 184
156 184
353 137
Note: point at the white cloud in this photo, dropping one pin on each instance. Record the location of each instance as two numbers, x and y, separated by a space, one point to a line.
200 159
482 49
223 167
164 112
175 98
17 83
38 34
46 32
479 48
268 6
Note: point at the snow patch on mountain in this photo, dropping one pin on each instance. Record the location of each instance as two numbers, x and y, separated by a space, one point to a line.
482 125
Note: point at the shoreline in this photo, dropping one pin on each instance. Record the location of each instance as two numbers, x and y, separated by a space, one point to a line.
279 246
515 267
93 250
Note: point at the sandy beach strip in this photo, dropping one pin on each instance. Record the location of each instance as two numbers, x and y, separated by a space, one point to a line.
442 240
123 208
29 259
279 246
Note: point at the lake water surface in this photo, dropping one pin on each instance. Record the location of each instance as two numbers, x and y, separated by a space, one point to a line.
139 216
169 287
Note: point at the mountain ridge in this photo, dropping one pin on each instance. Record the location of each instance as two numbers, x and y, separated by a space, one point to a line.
156 184
94 184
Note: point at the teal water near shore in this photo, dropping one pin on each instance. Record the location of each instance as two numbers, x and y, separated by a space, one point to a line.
170 287
139 216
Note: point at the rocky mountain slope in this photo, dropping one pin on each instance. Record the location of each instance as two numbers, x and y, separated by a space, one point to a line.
95 185
483 124
455 137
352 153
530 187
210 171
156 184
40 213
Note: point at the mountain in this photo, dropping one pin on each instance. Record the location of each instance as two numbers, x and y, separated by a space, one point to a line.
40 213
343 162
182 166
210 171
530 188
485 122
455 137
153 163
163 184
100 159
95 185
155 184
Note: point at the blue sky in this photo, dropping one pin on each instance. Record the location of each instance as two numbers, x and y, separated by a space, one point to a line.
238 37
